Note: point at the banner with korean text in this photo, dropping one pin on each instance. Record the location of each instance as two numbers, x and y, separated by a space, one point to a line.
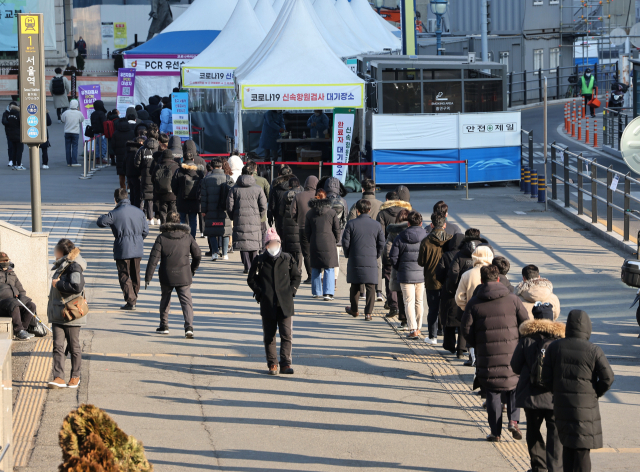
302 97
343 121
180 114
89 94
208 77
126 87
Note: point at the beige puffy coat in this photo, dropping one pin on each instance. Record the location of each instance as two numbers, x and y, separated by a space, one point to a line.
538 290
482 256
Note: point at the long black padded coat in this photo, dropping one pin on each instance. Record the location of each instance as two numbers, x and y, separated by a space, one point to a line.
274 282
214 190
289 225
450 312
578 373
245 204
144 161
362 244
178 254
322 229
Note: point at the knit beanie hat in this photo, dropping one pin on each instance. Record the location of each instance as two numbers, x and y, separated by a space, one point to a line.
73 104
189 149
4 257
542 311
271 235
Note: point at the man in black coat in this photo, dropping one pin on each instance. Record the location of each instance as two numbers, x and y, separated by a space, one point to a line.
124 131
362 244
186 187
450 312
214 190
144 162
11 291
162 176
274 278
279 188
98 117
577 373
11 122
536 400
129 227
172 250
299 209
133 171
289 225
490 325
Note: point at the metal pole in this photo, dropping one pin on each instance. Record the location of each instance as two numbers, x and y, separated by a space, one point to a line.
272 165
36 202
530 144
609 199
484 31
319 170
466 179
439 34
545 140
373 170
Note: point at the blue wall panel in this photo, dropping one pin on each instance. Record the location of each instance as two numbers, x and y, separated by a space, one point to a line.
492 164
418 174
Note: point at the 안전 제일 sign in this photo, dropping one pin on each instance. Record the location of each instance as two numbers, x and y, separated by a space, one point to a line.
343 121
33 105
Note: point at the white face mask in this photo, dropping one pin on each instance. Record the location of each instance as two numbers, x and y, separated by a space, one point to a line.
274 250
588 74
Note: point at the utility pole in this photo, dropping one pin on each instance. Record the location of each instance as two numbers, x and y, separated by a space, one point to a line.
485 30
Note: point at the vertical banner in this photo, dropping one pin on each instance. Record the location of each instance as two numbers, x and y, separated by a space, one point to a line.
180 109
88 95
343 121
126 87
237 127
120 35
33 111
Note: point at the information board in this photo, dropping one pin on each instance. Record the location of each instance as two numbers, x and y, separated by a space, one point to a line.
180 114
33 111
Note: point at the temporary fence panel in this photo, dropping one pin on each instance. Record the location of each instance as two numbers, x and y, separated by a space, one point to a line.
489 130
492 164
422 132
418 174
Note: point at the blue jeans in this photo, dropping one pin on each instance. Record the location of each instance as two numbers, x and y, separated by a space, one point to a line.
71 146
214 244
103 145
323 286
193 222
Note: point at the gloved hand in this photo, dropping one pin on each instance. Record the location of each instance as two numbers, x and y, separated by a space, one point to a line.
294 290
270 220
193 273
146 284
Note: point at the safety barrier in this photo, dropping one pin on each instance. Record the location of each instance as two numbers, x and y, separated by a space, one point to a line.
89 164
588 169
614 121
200 132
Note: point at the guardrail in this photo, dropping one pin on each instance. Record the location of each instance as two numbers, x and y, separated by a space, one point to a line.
614 121
89 164
588 169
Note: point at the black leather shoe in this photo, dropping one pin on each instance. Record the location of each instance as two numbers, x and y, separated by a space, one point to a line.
128 307
308 281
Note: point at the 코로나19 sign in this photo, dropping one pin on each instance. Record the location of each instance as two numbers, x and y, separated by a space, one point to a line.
33 110
301 97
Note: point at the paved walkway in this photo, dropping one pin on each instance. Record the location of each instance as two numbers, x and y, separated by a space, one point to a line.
361 399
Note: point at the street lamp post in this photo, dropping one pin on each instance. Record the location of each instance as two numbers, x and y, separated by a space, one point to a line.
379 5
439 8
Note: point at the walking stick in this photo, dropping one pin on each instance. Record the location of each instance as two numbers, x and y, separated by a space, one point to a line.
35 316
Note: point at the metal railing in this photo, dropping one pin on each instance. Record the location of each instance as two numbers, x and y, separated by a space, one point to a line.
526 148
614 121
587 169
528 86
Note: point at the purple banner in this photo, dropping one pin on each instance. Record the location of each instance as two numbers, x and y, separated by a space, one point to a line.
88 95
126 87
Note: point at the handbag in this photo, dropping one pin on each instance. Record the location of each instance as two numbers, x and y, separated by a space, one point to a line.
594 102
75 306
88 132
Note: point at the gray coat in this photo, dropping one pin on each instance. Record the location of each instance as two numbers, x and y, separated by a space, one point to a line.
69 270
245 205
61 101
362 243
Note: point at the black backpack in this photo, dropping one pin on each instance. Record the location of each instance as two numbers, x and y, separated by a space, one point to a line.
163 178
190 189
338 207
57 86
536 368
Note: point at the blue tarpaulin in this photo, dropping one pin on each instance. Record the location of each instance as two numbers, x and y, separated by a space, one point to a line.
177 42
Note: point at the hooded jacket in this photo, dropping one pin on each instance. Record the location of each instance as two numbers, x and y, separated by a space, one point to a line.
245 204
11 122
190 151
538 290
578 373
362 243
289 225
389 212
175 145
173 249
69 270
375 207
450 312
98 117
214 190
144 162
482 256
393 231
73 119
300 205
533 335
462 261
430 255
335 189
165 165
11 290
132 170
236 165
124 132
186 187
154 108
166 120
129 227
279 189
404 255
490 325
322 229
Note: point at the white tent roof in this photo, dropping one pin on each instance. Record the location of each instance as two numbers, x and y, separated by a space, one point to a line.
277 6
335 42
368 19
253 3
228 50
337 28
203 15
284 57
366 35
266 15
388 25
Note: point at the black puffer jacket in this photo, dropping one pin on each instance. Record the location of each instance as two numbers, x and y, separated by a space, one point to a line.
362 243
132 170
290 229
490 325
577 373
462 261
11 122
450 312
214 190
335 189
322 229
144 162
245 203
178 254
533 335
300 205
404 255
279 189
10 291
175 145
186 187
162 183
123 133
98 117
389 212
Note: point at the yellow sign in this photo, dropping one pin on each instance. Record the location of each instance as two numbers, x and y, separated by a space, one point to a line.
120 35
29 24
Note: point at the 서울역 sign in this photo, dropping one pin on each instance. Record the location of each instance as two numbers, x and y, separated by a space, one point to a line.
33 129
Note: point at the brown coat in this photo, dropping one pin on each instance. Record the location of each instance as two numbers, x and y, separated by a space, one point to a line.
429 256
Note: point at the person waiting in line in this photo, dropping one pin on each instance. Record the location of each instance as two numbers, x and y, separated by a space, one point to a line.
72 119
166 116
186 187
214 190
272 127
393 230
299 210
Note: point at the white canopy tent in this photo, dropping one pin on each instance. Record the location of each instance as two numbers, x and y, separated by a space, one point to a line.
277 6
388 25
335 42
336 27
266 15
370 20
213 68
366 35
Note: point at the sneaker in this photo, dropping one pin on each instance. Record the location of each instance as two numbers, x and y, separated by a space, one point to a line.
76 165
128 307
492 438
328 298
379 297
225 258
403 326
162 330
10 164
514 430
286 370
45 167
188 334
414 334
23 335
59 121
74 382
432 341
273 370
315 296
214 257
57 383
363 296
393 312
470 363
308 281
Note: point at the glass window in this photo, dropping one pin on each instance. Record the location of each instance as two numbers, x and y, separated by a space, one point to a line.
401 98
538 60
485 95
408 74
504 59
388 74
446 74
554 59
442 97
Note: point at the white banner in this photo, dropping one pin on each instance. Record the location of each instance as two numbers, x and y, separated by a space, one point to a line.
417 132
342 139
160 64
9 10
486 130
209 77
301 97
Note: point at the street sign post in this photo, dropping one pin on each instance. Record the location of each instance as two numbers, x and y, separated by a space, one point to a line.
32 93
